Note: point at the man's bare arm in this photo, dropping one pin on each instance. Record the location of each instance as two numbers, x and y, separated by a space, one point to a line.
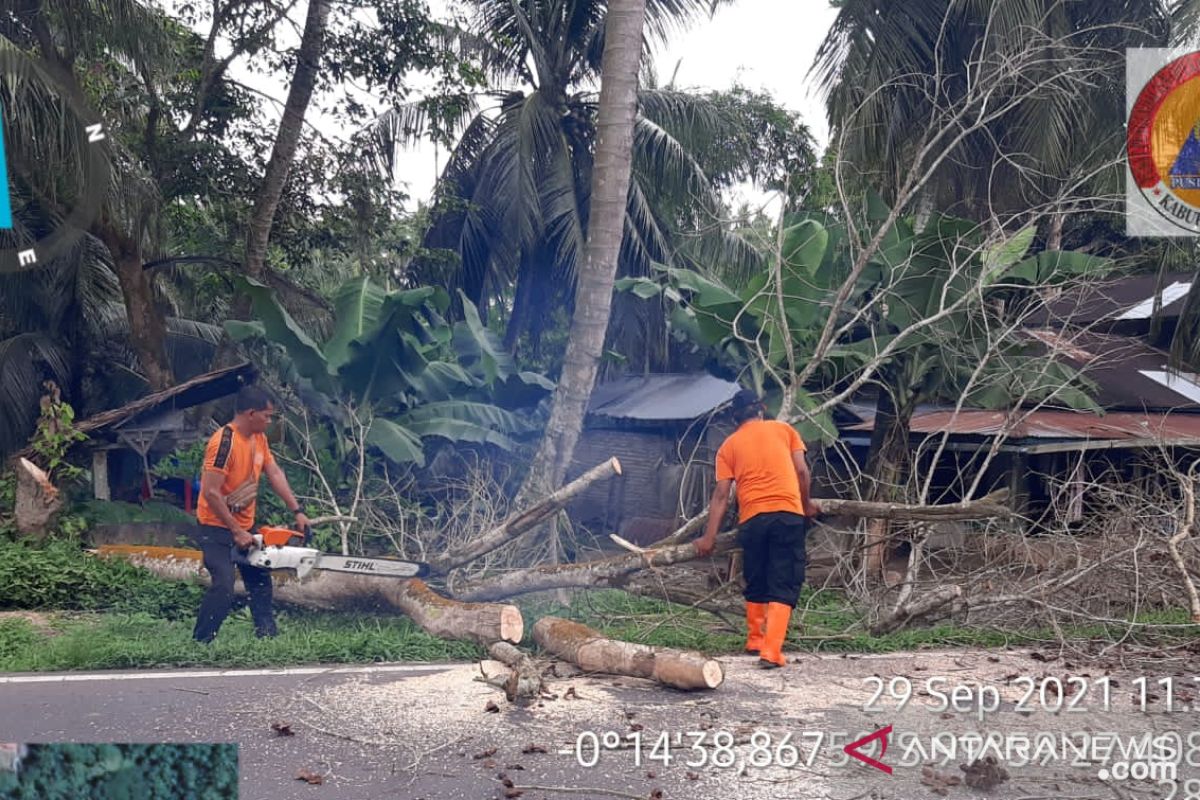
279 483
210 488
811 509
718 504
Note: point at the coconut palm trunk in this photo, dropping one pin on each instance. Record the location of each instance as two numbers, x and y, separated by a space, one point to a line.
593 296
287 139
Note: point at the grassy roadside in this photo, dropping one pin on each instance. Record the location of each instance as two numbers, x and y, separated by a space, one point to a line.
113 640
107 614
80 641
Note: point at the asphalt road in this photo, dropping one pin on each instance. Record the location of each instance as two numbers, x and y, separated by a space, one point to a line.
424 731
210 706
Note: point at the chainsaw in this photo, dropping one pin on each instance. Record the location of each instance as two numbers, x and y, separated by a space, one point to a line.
272 550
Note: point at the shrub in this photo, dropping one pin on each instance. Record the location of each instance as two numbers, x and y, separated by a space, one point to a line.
60 575
125 772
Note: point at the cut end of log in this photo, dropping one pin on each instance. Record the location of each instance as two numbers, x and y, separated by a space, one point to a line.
616 465
713 674
49 490
687 671
512 625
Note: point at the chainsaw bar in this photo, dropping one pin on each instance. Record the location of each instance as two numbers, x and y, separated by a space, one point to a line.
305 559
372 566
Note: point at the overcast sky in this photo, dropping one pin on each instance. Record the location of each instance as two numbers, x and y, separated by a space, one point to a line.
760 44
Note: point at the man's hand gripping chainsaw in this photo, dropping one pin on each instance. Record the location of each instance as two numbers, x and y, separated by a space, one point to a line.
272 550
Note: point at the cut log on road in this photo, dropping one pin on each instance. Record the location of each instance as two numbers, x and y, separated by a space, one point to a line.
37 500
484 623
522 521
592 652
601 573
525 679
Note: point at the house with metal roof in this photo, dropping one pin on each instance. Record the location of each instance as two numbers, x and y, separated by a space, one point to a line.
1151 411
665 430
124 442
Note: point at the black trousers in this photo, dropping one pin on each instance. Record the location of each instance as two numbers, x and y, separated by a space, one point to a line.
216 544
773 557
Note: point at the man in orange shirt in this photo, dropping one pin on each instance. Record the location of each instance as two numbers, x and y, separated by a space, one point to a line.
235 458
765 459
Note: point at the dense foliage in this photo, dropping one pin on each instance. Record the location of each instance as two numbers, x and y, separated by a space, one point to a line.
60 575
125 772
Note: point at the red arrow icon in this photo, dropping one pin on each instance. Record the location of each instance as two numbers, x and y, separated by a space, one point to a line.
852 749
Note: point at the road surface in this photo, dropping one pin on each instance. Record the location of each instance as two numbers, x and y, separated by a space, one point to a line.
423 731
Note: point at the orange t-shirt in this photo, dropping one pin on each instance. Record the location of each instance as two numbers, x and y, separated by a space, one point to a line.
758 455
240 459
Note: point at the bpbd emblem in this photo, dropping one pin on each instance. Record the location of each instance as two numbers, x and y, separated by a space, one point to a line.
1163 143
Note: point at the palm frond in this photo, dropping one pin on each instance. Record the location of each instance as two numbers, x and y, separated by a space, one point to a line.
25 361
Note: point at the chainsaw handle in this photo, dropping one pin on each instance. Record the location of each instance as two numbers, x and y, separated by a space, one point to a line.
307 535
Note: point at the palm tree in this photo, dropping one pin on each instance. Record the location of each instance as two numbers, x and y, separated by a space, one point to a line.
42 45
606 232
67 321
892 70
514 198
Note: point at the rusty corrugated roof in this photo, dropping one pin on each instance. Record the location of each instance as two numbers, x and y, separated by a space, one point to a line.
1045 424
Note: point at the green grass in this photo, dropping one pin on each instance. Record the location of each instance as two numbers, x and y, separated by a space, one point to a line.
59 575
108 614
115 641
826 622
115 512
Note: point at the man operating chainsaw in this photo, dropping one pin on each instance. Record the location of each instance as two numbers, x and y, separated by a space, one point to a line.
765 459
236 456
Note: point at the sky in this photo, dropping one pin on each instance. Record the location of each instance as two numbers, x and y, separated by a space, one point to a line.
764 45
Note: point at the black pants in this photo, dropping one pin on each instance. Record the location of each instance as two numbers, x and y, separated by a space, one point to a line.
773 557
216 544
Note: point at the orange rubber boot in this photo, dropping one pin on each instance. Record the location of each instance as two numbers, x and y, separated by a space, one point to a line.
756 621
771 654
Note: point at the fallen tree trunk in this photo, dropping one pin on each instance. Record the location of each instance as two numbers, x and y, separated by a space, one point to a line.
592 652
522 521
931 604
329 591
601 573
725 603
989 507
525 679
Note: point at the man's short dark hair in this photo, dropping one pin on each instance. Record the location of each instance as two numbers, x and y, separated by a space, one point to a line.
252 398
745 405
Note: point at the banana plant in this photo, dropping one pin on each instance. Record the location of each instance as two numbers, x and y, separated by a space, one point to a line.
925 295
745 330
394 354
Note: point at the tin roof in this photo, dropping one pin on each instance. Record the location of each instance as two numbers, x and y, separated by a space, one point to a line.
1129 374
1044 424
200 389
1123 301
661 398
